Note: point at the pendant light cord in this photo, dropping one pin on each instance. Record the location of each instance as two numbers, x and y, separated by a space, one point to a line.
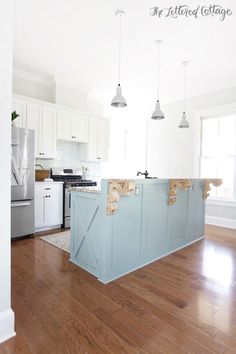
119 50
184 102
158 71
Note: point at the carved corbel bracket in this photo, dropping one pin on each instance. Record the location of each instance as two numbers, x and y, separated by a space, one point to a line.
216 183
116 189
173 185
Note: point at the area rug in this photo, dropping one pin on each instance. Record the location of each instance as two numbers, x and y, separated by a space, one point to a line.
60 240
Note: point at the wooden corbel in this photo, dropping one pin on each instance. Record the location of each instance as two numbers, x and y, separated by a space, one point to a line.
116 189
216 183
173 185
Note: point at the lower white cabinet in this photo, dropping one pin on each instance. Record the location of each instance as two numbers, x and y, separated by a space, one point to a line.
48 205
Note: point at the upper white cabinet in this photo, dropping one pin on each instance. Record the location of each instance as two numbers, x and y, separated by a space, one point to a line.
98 141
51 122
48 141
72 126
20 107
43 121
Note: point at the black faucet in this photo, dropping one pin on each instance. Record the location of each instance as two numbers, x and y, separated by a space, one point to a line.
143 173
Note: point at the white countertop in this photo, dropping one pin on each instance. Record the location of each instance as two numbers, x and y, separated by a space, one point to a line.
92 189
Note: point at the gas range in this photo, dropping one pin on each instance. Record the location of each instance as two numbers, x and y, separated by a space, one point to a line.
79 183
70 178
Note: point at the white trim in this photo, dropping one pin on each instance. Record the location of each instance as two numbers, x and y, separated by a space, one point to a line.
58 106
34 77
7 320
224 109
45 228
221 202
213 220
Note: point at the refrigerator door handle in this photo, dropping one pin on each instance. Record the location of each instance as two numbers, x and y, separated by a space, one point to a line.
15 205
69 200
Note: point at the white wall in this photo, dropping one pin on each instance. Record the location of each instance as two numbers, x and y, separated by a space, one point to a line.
6 314
45 88
174 152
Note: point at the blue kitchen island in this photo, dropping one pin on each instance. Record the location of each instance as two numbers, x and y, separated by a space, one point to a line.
130 223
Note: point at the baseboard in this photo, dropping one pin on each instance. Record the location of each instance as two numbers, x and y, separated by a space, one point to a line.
7 320
47 228
213 220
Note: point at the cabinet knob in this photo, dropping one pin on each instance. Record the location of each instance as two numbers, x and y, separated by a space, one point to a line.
98 158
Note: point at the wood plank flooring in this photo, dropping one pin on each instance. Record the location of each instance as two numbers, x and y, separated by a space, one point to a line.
183 303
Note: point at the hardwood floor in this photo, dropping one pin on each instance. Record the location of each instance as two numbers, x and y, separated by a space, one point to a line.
183 303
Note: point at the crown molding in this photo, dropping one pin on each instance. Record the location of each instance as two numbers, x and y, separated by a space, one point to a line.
34 77
72 85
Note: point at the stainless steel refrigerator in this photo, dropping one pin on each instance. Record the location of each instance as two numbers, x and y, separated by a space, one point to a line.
22 182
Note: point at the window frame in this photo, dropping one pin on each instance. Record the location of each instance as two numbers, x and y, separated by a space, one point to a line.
213 115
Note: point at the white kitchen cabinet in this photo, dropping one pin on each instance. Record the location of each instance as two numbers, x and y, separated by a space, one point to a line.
98 141
48 205
20 107
43 121
72 126
48 141
33 122
63 125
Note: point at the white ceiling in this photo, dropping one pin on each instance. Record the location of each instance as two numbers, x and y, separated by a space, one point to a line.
76 41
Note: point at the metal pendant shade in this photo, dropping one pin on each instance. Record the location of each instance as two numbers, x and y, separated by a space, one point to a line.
158 114
119 100
184 123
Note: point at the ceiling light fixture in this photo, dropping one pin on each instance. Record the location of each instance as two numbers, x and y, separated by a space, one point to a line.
158 114
184 123
119 100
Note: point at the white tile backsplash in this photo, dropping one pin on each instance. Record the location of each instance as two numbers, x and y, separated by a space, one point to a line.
68 156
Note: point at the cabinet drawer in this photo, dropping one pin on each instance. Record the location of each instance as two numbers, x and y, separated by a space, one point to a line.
48 188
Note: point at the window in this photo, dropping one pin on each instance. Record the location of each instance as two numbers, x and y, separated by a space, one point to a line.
218 154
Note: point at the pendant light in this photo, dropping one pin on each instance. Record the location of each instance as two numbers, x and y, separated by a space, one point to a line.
158 114
119 100
184 123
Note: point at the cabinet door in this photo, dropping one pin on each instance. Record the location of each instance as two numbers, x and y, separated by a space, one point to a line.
64 125
79 128
20 107
48 133
39 211
98 141
33 120
102 139
92 153
53 209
